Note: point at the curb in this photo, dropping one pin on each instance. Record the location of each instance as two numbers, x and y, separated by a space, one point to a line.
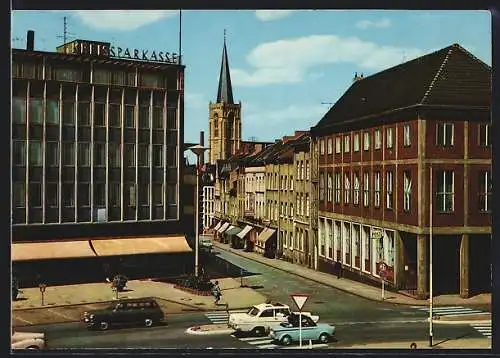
461 322
190 330
417 303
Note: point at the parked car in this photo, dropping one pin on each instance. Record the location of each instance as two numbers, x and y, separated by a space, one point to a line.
260 318
288 332
27 340
145 311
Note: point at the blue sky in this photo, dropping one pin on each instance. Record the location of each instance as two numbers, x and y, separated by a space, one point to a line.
284 64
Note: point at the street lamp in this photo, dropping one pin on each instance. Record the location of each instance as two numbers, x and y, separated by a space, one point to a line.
431 189
198 150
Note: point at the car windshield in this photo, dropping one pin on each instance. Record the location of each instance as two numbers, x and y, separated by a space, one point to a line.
286 325
254 311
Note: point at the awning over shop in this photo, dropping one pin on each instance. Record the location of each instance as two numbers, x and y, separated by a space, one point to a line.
214 225
51 250
264 236
141 245
223 228
218 225
244 232
234 230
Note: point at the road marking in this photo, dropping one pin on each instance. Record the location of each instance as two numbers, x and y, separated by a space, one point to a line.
378 322
260 341
244 339
483 328
451 311
61 314
22 319
307 346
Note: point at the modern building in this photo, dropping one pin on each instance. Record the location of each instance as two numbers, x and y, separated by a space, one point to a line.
97 138
405 154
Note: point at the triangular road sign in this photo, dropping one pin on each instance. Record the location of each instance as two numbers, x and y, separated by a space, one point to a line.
300 300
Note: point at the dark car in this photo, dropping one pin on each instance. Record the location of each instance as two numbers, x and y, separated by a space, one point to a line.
143 311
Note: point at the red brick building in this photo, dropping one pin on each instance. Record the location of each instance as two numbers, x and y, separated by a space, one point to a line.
377 147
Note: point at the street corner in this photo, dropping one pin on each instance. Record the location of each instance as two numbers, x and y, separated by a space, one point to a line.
209 329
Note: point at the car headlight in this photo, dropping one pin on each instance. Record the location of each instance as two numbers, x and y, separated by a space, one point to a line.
91 316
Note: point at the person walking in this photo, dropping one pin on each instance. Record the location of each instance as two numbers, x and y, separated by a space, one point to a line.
216 292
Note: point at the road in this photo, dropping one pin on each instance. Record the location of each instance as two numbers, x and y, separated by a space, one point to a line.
331 304
173 335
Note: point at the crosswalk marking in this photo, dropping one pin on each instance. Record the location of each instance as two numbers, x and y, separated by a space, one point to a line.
221 316
483 328
267 343
451 310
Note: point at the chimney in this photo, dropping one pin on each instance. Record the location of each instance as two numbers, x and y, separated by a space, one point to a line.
30 40
202 143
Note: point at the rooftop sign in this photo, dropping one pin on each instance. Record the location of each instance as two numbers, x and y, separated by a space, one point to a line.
104 49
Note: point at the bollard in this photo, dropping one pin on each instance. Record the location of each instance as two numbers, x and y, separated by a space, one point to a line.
310 344
413 346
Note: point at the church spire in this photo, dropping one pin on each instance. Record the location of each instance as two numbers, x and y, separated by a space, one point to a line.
225 91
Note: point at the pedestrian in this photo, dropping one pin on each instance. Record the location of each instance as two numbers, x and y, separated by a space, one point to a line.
338 269
216 292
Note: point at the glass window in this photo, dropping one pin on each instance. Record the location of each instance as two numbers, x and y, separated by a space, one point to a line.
35 195
330 146
68 154
406 191
119 78
322 146
356 189
347 188
99 114
130 116
484 135
366 140
377 189
84 154
407 135
445 191
347 144
157 194
171 194
151 80
99 194
52 154
388 139
19 110
366 189
158 155
171 156
35 152
338 144
101 76
52 111
83 194
157 117
130 154
485 191
114 194
144 117
444 134
321 186
99 154
114 115
68 113
69 75
114 154
330 187
143 155
83 113
378 139
68 194
337 187
36 110
19 190
356 142
52 195
389 187
19 152
144 194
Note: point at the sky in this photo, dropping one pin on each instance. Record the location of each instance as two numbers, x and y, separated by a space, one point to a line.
287 66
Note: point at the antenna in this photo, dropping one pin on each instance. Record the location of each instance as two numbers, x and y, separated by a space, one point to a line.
66 35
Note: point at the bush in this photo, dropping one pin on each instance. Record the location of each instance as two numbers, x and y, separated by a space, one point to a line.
200 283
119 281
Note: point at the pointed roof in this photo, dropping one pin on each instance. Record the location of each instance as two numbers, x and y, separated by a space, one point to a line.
225 91
450 78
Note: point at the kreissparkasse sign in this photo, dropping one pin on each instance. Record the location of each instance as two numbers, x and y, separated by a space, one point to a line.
104 49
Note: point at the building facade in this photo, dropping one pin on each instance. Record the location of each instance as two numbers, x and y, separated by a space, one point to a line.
410 161
95 139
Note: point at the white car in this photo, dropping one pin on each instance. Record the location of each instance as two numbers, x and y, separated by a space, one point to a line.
260 319
27 340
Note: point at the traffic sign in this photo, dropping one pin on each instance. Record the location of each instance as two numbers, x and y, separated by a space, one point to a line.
300 300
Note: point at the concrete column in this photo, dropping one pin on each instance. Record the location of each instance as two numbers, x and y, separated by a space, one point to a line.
464 266
422 275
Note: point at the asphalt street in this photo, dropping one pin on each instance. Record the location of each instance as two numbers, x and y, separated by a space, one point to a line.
173 335
331 304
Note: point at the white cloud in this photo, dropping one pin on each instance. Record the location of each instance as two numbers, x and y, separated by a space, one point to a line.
270 15
366 24
279 121
122 19
288 61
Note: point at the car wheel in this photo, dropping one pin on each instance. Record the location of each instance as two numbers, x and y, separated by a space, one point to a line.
33 347
148 322
323 338
103 326
286 340
259 331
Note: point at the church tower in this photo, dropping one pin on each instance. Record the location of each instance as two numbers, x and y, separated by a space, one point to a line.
224 117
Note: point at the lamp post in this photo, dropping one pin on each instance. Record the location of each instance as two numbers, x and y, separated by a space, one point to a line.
198 150
430 257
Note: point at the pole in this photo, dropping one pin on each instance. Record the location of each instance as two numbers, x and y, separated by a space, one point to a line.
180 36
197 215
383 288
42 298
430 256
300 328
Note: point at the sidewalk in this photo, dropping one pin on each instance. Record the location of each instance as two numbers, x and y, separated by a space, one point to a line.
67 303
354 287
461 343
